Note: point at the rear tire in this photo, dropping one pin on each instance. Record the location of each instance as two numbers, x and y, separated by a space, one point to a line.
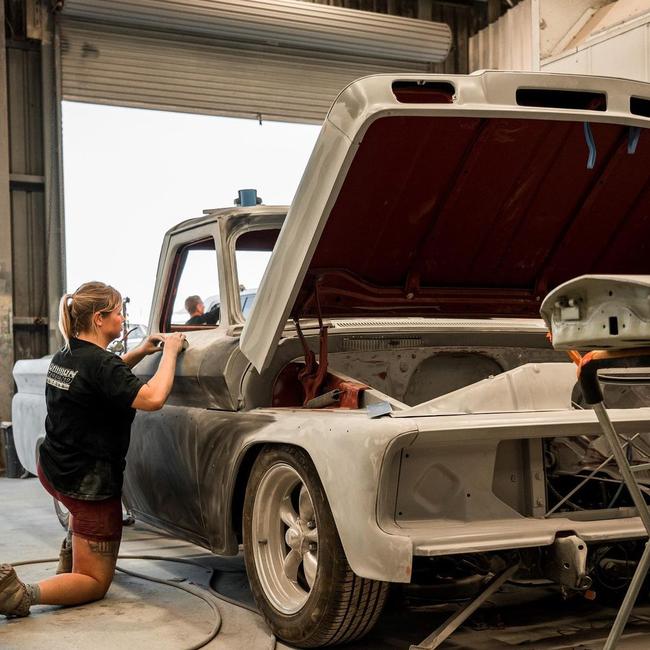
298 572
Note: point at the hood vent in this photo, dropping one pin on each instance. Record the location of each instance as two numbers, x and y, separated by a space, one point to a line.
423 92
640 106
368 344
384 322
569 99
436 323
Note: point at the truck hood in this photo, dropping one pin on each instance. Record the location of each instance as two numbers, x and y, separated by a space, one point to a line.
460 196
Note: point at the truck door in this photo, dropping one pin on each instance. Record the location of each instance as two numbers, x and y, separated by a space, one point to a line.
161 476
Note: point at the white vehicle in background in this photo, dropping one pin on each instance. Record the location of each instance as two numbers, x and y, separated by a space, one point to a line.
246 297
136 333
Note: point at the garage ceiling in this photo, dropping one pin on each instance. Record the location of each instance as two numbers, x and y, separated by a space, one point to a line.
267 59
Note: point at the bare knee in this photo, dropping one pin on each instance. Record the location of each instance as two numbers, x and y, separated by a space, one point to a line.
102 588
98 592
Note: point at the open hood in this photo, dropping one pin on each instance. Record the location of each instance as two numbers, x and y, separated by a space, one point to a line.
461 196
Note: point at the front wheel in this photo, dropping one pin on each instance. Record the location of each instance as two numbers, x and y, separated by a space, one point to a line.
298 572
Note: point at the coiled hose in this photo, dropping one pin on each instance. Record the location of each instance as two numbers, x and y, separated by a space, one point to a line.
207 598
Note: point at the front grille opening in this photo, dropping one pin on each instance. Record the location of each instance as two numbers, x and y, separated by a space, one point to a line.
640 106
423 92
571 99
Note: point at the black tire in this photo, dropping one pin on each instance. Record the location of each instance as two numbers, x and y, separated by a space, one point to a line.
340 606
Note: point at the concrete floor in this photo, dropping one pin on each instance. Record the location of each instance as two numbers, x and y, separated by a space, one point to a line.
140 614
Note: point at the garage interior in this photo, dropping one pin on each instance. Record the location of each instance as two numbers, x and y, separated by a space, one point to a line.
248 59
78 50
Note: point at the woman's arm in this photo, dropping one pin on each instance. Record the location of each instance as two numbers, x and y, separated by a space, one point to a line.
154 393
148 346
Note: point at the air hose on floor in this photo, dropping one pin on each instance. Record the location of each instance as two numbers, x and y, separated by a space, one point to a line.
188 589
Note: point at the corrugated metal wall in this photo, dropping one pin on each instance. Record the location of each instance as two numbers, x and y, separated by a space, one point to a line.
464 19
508 43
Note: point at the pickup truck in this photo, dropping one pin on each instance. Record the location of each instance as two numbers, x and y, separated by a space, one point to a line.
391 410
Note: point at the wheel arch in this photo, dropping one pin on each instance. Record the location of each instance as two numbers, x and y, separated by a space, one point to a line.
244 469
347 462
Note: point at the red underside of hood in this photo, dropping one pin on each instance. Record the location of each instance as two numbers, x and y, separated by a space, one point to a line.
481 217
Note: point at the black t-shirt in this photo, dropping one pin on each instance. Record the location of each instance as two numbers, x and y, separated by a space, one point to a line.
89 393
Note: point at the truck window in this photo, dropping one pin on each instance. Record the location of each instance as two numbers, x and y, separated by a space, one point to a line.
193 300
252 253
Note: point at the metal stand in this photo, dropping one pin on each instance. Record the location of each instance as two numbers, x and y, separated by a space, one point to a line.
457 619
627 472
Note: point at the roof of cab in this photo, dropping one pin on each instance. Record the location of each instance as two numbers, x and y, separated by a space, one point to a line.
213 215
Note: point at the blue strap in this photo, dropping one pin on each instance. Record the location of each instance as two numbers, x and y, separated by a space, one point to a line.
633 139
589 137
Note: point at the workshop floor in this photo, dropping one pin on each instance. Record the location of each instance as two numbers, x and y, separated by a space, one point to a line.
141 614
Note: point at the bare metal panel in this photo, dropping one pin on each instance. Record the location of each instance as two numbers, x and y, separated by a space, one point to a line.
127 67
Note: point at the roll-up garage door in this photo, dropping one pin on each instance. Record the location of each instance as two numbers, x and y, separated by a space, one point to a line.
227 57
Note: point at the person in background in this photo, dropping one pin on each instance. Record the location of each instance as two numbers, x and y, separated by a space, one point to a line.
198 316
91 397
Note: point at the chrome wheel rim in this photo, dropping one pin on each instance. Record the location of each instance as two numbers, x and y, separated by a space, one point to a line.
285 538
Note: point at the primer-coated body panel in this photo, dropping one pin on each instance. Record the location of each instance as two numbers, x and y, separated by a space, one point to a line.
347 450
353 455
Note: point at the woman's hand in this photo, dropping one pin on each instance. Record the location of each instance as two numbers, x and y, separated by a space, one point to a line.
174 342
153 394
152 343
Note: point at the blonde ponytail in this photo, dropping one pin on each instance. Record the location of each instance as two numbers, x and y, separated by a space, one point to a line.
76 309
65 319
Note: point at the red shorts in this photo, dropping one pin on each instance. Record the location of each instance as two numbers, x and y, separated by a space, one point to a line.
100 521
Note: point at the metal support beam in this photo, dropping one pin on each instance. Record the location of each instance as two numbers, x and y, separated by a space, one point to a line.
6 282
456 620
53 166
628 602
